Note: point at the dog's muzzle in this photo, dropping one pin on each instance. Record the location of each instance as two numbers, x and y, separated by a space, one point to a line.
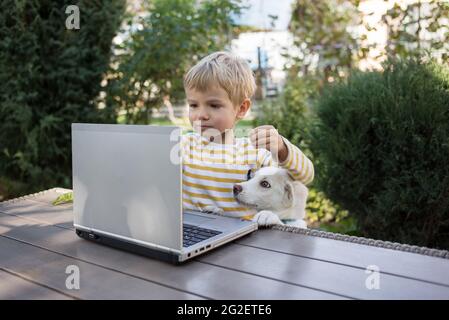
237 189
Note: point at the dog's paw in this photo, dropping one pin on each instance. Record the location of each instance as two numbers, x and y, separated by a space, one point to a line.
212 209
266 218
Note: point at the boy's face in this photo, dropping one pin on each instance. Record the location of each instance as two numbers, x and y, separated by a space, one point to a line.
212 109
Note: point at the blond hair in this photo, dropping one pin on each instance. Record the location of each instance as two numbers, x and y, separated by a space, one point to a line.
229 71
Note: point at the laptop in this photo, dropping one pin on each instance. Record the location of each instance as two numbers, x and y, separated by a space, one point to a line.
127 190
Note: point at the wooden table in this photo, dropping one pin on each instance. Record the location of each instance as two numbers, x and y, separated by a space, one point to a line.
38 243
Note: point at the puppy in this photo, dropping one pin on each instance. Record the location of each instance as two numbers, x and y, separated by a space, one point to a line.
275 196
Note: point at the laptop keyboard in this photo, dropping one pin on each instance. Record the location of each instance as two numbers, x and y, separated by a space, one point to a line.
193 234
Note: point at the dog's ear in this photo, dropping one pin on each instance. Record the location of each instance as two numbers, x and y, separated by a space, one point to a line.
250 174
290 176
288 194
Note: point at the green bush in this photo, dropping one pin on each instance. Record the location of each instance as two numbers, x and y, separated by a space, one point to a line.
322 213
381 141
50 77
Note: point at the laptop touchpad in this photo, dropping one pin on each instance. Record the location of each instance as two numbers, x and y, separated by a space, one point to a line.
194 219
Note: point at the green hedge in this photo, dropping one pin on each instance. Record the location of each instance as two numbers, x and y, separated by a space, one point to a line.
49 78
381 146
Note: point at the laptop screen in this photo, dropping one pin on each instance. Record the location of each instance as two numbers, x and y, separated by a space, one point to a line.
126 183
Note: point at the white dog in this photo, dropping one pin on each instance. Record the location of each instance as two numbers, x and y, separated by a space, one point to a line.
275 196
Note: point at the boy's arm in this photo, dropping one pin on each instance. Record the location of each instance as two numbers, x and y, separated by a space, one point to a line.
299 166
289 156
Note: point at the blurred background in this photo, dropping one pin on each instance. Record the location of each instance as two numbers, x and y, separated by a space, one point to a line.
362 87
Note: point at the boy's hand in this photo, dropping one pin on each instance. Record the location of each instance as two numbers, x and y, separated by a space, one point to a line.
268 137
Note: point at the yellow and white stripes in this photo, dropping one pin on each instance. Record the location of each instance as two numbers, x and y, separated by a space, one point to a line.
299 166
210 171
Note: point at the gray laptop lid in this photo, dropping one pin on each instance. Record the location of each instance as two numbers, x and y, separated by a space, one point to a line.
126 183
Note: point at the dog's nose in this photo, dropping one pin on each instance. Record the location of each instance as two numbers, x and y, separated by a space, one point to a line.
237 189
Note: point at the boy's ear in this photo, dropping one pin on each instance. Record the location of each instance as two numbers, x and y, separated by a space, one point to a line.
243 108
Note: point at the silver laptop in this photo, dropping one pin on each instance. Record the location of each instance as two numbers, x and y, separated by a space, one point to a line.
127 191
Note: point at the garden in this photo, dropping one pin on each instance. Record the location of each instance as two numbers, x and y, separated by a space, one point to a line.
365 97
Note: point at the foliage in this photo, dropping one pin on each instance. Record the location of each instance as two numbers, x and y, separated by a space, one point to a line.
64 198
332 37
150 63
322 213
382 146
323 38
50 78
416 27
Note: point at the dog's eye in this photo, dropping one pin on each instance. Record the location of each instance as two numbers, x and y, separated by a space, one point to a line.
265 184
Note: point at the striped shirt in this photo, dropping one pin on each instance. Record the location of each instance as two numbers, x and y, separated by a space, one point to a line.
210 171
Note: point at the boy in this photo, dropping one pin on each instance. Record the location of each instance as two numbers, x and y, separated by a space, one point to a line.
218 91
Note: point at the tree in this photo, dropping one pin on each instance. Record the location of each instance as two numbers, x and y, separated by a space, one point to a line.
417 27
49 76
330 36
150 63
322 35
